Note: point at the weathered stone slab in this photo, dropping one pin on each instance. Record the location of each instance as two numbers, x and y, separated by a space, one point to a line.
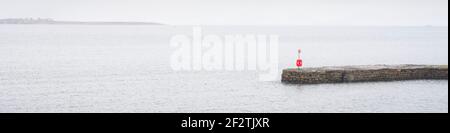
346 74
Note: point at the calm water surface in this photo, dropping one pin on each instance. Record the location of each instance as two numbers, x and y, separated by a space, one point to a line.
70 68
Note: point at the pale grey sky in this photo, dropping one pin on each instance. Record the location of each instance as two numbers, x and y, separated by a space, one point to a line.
237 12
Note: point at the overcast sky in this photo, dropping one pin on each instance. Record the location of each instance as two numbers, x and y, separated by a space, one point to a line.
237 12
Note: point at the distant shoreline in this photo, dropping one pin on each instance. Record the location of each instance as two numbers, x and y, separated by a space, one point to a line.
54 22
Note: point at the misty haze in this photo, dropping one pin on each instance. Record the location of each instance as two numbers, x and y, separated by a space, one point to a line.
115 56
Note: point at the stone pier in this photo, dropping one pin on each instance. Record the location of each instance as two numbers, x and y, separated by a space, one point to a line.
348 74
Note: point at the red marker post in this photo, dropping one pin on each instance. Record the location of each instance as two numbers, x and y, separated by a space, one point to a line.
299 60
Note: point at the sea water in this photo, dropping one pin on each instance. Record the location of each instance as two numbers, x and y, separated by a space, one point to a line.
107 68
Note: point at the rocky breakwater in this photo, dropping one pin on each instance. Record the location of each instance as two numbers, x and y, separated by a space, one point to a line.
367 73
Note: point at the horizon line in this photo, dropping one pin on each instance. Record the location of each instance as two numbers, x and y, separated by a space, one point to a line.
130 22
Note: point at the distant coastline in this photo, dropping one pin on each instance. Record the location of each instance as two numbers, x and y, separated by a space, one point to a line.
55 22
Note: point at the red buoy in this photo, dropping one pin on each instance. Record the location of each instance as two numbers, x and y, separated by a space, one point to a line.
299 63
299 60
